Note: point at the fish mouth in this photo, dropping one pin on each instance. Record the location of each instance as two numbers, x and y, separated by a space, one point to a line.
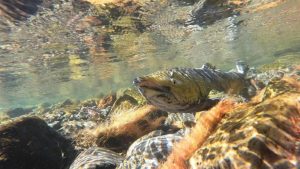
143 84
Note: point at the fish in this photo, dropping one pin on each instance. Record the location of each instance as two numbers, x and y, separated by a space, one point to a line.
187 89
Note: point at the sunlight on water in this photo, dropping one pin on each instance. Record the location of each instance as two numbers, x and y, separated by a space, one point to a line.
67 53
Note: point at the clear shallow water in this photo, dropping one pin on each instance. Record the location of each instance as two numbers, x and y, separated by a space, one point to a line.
63 54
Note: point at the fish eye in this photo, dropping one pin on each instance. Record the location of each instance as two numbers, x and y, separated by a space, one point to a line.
173 81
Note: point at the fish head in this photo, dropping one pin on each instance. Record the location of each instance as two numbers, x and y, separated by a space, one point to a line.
170 90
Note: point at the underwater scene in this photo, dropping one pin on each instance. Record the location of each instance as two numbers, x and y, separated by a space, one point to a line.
149 84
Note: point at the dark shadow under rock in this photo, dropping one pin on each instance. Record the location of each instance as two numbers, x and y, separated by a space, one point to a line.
29 143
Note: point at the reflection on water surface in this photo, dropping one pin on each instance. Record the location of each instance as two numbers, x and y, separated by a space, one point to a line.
68 51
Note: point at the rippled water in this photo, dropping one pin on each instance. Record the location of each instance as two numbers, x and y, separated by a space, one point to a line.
63 53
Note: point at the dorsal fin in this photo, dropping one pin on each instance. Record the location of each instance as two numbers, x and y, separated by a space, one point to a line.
208 66
242 67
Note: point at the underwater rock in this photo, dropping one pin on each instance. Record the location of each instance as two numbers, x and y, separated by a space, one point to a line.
107 101
95 158
151 149
70 128
28 143
180 120
127 99
259 134
3 118
18 112
88 103
69 117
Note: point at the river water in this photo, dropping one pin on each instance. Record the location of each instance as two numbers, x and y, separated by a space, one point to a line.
60 54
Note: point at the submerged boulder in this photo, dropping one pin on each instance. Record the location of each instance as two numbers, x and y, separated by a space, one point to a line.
29 143
18 112
96 158
259 134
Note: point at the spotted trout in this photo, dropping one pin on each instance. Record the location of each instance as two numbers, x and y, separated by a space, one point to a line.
187 89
